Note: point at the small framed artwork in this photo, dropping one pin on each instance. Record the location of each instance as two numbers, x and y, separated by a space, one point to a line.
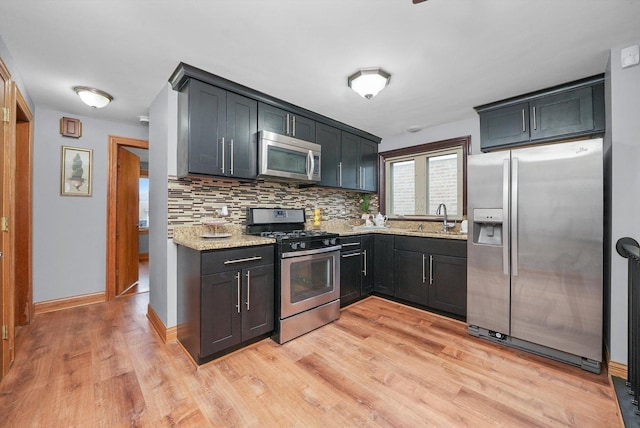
76 171
70 127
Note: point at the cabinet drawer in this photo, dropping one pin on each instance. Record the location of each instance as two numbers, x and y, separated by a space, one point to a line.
239 258
350 243
447 247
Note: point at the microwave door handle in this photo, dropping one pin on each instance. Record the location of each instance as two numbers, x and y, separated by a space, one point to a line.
310 165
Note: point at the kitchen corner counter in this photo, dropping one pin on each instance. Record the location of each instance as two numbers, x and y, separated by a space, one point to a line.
344 229
189 236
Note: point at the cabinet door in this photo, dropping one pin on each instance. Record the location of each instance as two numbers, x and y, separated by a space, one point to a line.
220 315
242 126
349 155
303 128
562 114
367 265
505 125
272 119
329 138
207 126
410 276
448 290
368 166
383 264
258 301
350 277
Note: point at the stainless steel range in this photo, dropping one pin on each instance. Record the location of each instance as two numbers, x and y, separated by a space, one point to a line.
307 270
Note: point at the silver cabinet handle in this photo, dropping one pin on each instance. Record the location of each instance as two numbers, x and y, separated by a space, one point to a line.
344 256
293 119
364 271
248 290
514 217
350 244
505 220
430 270
248 259
340 174
424 275
287 123
523 124
535 125
311 164
238 286
222 154
231 153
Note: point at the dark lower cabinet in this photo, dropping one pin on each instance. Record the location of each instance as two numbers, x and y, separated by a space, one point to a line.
431 273
367 250
383 264
448 288
225 299
350 270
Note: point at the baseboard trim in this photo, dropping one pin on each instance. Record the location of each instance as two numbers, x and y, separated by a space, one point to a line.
617 369
143 257
167 335
68 302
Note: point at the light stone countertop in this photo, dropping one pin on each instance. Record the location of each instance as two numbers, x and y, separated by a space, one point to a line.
189 236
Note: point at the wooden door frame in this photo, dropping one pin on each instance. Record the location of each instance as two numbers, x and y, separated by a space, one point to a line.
112 181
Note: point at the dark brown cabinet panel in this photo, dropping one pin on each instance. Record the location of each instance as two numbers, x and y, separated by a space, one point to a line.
282 122
567 111
330 140
367 251
225 299
410 276
448 288
383 264
217 133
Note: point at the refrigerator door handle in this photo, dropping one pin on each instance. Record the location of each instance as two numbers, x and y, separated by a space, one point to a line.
505 221
514 216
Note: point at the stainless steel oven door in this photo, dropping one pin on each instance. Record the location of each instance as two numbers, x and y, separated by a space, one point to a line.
308 281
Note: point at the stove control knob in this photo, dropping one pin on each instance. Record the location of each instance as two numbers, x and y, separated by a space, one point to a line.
303 245
333 241
294 245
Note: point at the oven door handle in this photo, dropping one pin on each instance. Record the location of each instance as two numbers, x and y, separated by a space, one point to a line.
311 252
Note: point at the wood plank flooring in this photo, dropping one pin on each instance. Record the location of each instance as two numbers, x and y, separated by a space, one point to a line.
380 365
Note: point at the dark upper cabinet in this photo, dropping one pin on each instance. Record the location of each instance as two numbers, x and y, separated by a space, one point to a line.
282 122
383 264
368 168
349 161
565 113
503 126
217 132
330 140
572 110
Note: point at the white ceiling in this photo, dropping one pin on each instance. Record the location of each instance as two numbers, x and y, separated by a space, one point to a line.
445 56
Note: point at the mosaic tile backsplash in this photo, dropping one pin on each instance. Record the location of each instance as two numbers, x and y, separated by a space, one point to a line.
194 200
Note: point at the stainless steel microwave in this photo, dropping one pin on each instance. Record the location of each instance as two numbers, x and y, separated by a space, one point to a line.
284 158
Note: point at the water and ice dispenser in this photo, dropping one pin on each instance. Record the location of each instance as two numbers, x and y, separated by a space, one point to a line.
487 226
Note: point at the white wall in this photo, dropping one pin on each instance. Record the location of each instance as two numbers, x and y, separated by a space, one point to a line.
163 134
69 232
623 133
436 133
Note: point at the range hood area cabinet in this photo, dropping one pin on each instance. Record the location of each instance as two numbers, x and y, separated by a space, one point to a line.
283 122
217 132
348 161
568 111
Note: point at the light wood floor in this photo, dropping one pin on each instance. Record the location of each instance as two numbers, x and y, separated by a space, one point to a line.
382 364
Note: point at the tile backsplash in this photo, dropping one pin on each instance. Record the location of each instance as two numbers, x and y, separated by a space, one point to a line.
193 200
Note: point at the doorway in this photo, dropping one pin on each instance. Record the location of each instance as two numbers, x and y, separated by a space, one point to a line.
16 149
123 260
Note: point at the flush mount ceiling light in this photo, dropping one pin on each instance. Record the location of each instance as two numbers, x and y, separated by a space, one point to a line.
93 97
369 81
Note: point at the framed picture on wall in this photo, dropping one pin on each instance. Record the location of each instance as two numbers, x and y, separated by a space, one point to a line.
76 169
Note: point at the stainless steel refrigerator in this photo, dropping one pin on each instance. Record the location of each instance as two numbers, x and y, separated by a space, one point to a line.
535 256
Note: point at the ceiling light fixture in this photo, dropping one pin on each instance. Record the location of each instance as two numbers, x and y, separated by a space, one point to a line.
93 97
369 81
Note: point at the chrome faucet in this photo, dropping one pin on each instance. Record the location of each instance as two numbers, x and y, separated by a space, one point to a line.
442 210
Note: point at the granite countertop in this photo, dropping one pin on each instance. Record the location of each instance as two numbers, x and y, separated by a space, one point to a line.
190 236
